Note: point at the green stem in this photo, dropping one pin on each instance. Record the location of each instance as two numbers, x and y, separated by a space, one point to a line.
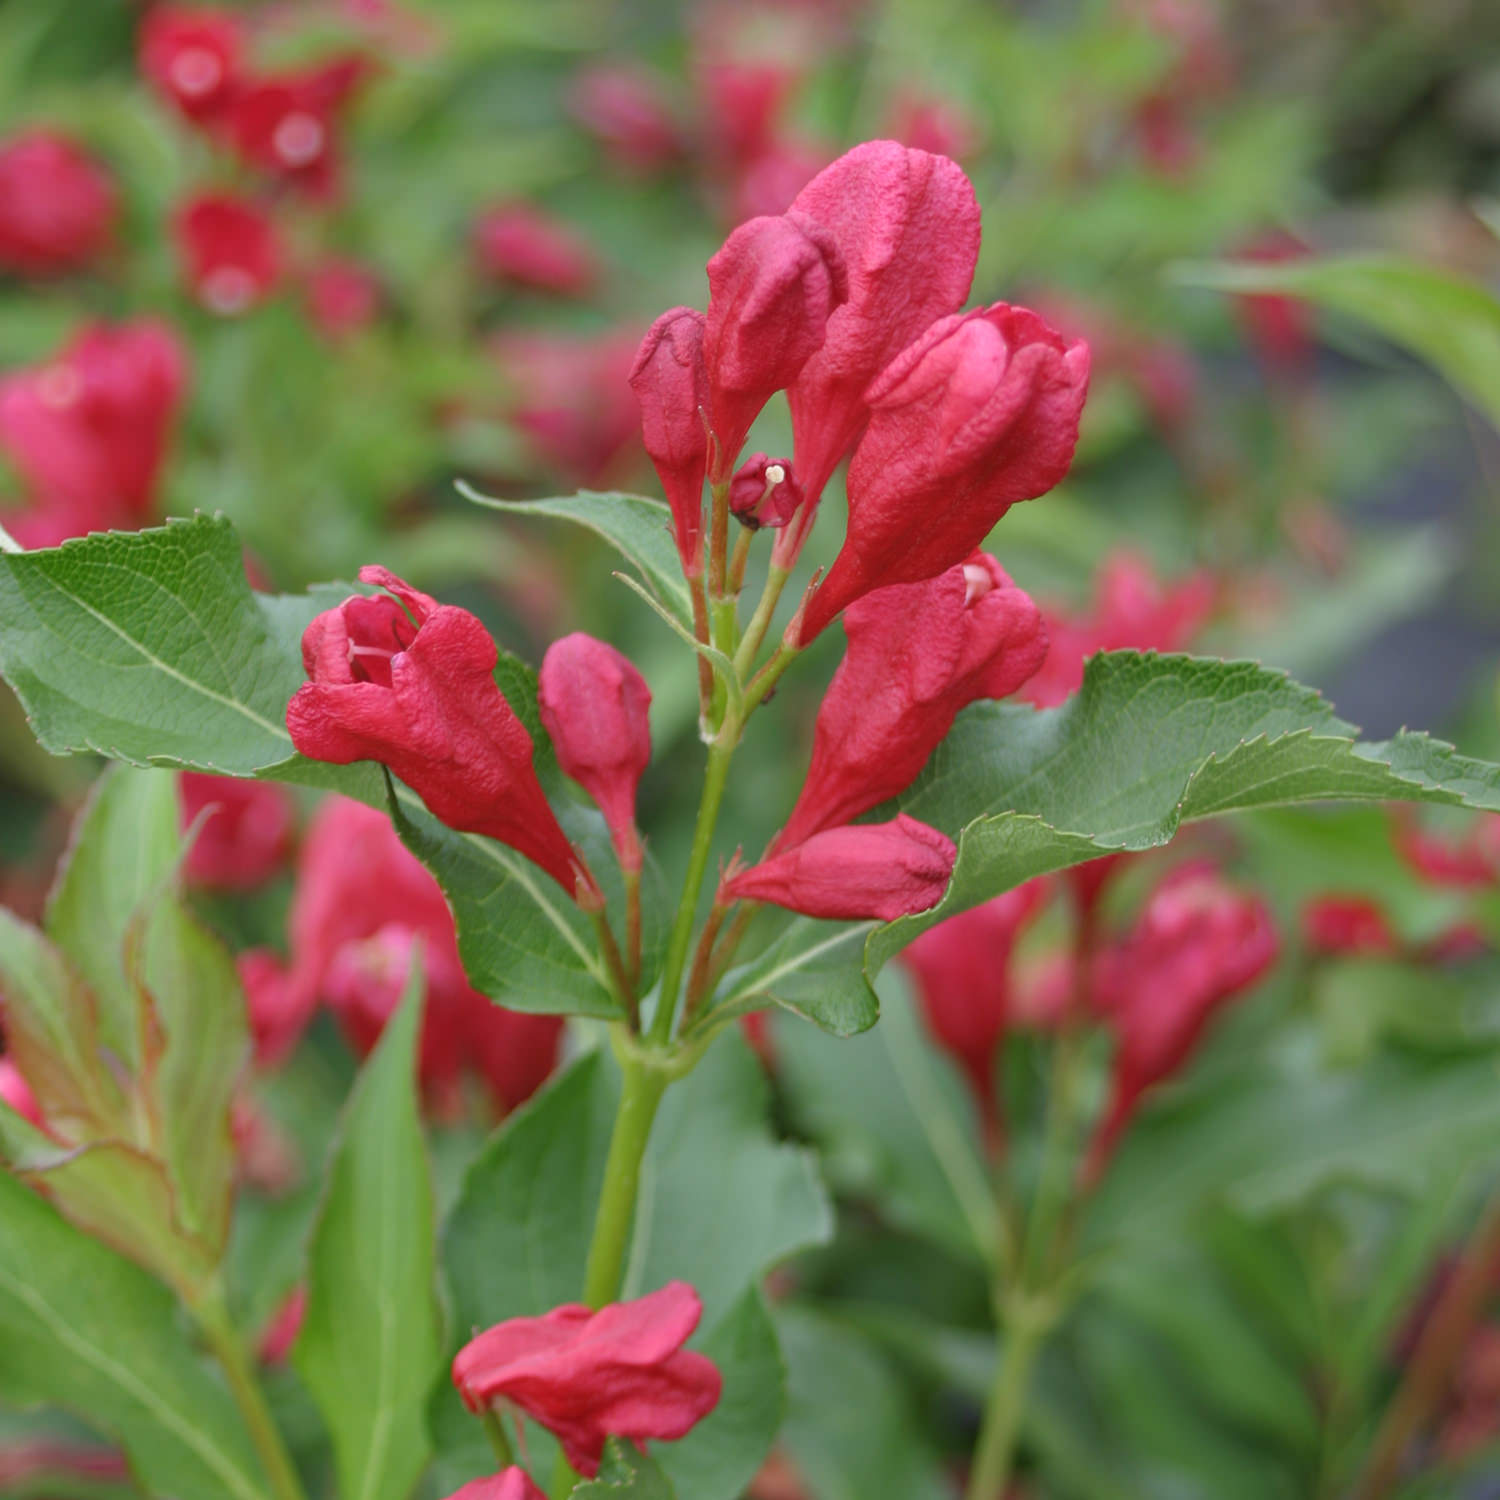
641 1089
715 778
633 928
1055 1175
228 1348
619 976
495 1430
760 621
768 676
718 538
1025 1331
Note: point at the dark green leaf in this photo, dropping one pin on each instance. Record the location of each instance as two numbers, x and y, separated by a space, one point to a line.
371 1342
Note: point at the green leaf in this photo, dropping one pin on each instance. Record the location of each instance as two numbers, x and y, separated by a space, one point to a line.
896 1125
627 1472
813 971
371 1342
720 1203
639 528
146 647
83 1329
851 1428
1450 321
1150 742
124 847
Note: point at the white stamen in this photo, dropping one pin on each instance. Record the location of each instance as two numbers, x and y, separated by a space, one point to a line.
775 474
977 583
195 72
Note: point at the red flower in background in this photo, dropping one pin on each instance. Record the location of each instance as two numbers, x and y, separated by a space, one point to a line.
917 654
279 1006
88 430
626 110
1280 328
589 1376
1133 610
572 399
595 707
399 679
57 205
192 56
246 835
230 251
362 907
1466 861
1197 944
962 971
518 243
879 870
1348 925
342 296
286 124
15 1093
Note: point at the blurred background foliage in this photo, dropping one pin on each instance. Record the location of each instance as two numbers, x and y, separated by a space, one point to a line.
1274 1225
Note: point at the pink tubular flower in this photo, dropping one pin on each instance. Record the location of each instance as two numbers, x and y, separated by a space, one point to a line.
1197 944
1347 925
979 413
230 251
626 111
513 1484
518 243
882 870
57 205
88 430
670 381
342 296
363 904
764 492
573 401
595 707
400 679
772 287
907 226
15 1093
588 1376
962 973
246 836
278 1007
917 654
1133 610
192 57
285 125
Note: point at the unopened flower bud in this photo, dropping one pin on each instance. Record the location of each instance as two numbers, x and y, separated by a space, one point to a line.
764 492
772 288
596 706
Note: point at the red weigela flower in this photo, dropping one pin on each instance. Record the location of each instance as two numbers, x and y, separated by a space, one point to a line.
88 431
764 492
906 225
363 906
670 380
917 654
246 836
400 679
518 243
595 707
589 1376
192 57
979 413
1197 944
279 1005
286 125
57 205
772 287
1466 861
230 251
882 870
626 111
513 1484
962 971
342 297
1348 925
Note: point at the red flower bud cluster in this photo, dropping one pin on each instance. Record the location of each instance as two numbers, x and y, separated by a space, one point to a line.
230 251
521 245
57 205
589 1376
87 431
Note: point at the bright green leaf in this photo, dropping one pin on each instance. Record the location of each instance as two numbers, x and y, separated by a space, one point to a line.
371 1342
